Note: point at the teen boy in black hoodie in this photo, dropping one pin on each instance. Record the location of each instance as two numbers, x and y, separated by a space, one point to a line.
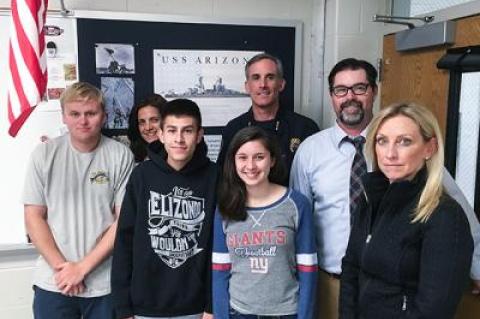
161 259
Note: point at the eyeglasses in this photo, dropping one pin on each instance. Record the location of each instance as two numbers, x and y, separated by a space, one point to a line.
357 89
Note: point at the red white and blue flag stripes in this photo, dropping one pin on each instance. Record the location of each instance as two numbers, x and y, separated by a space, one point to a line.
27 79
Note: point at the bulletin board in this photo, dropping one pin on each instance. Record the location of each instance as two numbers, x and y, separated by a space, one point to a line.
180 58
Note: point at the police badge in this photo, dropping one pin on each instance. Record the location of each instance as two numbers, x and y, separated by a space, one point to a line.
294 144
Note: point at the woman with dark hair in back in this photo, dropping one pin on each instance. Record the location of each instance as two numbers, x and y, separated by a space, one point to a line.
143 124
264 253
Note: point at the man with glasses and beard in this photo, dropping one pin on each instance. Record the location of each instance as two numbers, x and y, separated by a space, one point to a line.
328 167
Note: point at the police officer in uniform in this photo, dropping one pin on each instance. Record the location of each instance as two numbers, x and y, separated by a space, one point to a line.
264 82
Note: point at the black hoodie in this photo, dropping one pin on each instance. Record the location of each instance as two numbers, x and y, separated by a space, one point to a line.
161 259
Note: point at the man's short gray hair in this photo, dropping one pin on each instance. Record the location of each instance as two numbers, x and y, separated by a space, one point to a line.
263 56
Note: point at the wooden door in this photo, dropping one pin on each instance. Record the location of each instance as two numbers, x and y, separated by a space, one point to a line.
413 76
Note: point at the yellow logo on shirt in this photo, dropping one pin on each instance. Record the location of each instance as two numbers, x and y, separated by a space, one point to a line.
99 177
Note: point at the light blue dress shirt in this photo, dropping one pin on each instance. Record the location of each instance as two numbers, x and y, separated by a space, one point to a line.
321 171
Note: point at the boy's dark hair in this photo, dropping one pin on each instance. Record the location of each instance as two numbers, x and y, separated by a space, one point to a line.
353 64
182 107
137 144
232 193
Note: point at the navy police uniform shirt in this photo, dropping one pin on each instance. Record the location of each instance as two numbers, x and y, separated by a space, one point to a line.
289 127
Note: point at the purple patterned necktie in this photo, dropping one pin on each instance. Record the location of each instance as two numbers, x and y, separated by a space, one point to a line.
359 168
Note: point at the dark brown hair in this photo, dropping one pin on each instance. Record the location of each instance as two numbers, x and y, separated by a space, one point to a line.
182 107
232 193
353 64
137 144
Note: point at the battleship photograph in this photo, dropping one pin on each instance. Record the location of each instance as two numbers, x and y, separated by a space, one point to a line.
217 89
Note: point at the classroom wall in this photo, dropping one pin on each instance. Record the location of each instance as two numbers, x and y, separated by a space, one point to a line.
350 32
347 31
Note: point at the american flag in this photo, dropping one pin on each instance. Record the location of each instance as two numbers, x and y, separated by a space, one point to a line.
27 60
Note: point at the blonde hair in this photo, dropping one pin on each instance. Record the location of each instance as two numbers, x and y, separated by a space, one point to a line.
82 91
429 128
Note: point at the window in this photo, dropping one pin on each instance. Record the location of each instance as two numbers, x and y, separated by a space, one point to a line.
467 140
462 152
410 8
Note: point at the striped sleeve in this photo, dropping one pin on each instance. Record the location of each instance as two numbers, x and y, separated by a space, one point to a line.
221 266
307 262
306 257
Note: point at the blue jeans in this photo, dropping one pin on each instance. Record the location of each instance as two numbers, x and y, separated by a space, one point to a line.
237 315
54 305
